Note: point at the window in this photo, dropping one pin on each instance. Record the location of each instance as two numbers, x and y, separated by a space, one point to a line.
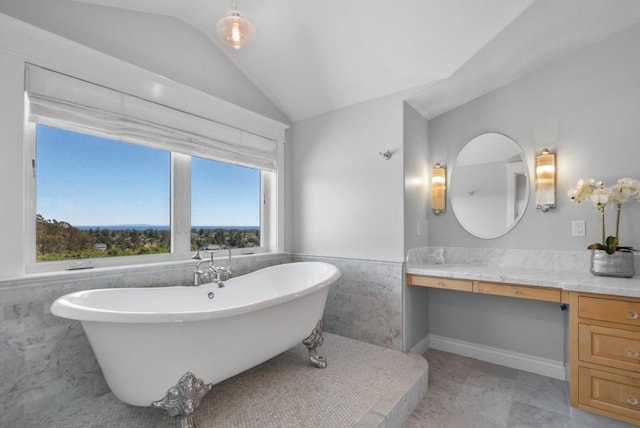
225 204
98 197
118 175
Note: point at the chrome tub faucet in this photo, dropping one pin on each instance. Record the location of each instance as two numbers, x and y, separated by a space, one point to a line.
212 272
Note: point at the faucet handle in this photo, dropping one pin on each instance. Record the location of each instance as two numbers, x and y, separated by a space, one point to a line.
224 272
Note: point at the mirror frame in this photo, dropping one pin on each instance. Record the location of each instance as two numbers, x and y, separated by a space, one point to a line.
527 195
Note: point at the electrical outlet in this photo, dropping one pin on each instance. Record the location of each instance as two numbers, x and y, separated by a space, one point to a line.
578 228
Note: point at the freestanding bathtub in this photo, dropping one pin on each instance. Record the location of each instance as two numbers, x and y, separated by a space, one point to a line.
146 339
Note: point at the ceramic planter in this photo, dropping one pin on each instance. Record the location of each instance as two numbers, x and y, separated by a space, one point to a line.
618 264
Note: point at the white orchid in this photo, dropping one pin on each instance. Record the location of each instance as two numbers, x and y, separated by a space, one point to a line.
584 190
600 196
624 189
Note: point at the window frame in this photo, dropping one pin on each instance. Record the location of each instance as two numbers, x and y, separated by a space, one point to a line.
180 215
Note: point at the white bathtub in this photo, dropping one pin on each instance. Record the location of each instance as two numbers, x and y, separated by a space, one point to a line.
145 339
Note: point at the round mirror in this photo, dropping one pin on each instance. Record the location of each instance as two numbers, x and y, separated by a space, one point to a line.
489 185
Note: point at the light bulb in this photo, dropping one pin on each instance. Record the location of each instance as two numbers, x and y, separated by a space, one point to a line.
234 30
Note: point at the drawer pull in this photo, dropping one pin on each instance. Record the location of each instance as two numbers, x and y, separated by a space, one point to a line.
632 315
632 353
517 292
441 284
632 400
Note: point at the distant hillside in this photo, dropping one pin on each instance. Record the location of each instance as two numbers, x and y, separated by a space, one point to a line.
59 240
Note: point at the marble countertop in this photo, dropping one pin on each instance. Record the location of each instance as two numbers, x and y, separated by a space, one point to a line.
565 280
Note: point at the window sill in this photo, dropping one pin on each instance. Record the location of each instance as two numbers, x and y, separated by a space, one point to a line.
118 272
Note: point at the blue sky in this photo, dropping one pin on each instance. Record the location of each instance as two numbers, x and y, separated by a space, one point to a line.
88 180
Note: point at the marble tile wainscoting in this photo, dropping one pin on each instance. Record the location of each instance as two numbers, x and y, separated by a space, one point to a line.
571 261
366 302
46 361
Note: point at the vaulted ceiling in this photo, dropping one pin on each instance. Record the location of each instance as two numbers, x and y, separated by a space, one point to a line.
313 57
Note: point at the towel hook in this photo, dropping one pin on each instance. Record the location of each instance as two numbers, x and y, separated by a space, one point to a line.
386 155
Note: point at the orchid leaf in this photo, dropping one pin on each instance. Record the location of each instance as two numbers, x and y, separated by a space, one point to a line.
596 247
610 246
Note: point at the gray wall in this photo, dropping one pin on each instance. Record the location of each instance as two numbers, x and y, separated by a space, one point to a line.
524 326
586 109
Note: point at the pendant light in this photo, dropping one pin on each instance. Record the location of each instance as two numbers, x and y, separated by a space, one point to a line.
234 30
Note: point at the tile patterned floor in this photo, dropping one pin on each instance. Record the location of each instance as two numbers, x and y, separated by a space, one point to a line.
286 392
364 385
465 393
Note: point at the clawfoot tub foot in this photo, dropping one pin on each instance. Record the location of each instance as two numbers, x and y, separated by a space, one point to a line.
183 399
312 342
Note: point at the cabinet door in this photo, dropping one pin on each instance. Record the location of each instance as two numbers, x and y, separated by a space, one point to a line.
619 311
610 347
435 282
610 392
519 291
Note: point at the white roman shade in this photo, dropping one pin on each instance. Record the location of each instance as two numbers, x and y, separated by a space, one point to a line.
67 102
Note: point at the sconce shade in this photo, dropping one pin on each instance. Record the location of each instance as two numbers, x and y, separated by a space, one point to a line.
545 180
438 189
234 30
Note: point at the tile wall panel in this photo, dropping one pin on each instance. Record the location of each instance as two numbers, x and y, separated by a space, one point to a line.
366 302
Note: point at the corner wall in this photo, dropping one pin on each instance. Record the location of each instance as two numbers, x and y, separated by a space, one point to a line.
416 233
347 209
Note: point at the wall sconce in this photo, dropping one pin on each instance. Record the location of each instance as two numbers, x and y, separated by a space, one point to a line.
545 180
438 189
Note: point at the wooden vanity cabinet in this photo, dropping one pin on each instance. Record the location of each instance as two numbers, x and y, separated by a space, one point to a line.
605 355
483 287
519 291
604 342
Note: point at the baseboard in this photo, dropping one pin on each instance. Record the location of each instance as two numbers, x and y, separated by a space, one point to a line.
503 357
421 347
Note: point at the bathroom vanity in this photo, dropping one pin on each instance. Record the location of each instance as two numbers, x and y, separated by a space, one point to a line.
604 325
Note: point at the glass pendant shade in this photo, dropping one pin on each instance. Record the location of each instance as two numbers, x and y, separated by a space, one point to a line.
234 30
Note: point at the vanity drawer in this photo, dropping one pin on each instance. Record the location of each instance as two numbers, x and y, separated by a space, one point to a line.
619 311
520 291
609 346
436 282
610 392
